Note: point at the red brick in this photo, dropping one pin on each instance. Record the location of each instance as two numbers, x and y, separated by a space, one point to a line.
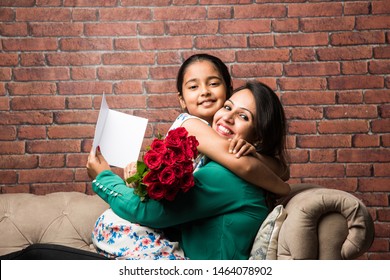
374 184
151 28
358 38
263 56
359 170
160 115
94 87
363 155
344 184
13 29
84 14
384 215
78 58
356 111
381 125
356 82
373 22
42 189
124 101
125 14
32 88
194 27
164 86
324 141
356 8
53 146
382 52
12 147
302 127
41 74
86 44
318 156
179 13
285 25
50 161
38 102
5 74
163 101
7 14
79 102
15 189
317 170
382 169
384 111
308 97
32 59
56 29
354 67
18 161
343 126
32 132
379 67
83 116
327 24
83 73
216 42
76 160
165 43
302 83
301 40
312 69
261 41
344 53
122 73
90 3
245 26
128 58
9 59
305 113
219 12
70 132
7 133
365 140
257 70
127 44
349 97
128 87
43 14
315 9
380 7
298 156
163 72
265 10
110 29
25 118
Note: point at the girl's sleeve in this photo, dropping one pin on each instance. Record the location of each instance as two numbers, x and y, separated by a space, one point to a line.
201 201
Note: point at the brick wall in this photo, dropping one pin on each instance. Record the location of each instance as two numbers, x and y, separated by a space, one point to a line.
328 60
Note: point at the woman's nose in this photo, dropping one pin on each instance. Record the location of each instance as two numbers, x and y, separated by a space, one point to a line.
228 117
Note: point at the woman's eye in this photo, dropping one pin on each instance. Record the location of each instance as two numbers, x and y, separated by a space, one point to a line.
244 117
227 107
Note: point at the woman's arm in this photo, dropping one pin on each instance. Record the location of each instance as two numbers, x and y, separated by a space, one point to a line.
254 170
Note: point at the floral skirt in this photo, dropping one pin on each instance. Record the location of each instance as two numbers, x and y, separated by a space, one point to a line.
117 238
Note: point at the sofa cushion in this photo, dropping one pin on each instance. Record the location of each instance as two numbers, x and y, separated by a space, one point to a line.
266 241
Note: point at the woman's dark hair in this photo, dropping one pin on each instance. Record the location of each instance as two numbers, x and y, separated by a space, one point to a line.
221 67
270 123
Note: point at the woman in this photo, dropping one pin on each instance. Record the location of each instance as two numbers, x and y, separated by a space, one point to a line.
220 216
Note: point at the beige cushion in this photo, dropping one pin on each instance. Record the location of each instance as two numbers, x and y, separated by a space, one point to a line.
266 241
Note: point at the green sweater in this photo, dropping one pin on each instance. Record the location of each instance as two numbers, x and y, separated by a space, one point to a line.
218 218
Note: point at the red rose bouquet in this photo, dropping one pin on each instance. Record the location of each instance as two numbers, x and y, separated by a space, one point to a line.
167 167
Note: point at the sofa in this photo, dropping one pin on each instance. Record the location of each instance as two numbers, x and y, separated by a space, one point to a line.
312 222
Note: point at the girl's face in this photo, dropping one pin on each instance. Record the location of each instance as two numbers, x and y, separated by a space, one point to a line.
204 90
236 119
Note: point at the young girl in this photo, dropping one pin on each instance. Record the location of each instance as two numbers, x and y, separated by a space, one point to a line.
221 215
203 85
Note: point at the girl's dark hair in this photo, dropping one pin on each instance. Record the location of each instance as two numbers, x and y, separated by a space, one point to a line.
221 67
270 123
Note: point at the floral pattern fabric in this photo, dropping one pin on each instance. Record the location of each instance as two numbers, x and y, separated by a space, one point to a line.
117 238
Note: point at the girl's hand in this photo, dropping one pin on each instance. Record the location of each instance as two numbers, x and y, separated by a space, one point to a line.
96 163
129 171
241 147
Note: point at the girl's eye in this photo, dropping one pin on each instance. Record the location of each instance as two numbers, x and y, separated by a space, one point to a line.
215 84
192 87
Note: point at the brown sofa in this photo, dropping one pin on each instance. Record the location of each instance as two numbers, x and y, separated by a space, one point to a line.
320 223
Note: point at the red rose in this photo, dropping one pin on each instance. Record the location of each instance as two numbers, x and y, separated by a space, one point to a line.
187 182
167 176
170 192
155 191
187 166
153 159
178 170
150 177
158 146
173 138
169 157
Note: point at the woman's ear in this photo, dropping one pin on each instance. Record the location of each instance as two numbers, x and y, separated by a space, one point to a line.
182 102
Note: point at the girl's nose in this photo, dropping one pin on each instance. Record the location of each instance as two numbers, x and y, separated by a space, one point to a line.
205 90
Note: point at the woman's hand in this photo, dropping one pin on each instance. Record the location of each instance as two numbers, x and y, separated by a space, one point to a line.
129 171
96 163
241 147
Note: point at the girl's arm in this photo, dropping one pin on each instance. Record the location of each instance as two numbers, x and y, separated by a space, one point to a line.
253 169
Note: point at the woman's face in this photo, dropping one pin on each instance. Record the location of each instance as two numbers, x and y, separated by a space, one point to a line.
204 90
236 118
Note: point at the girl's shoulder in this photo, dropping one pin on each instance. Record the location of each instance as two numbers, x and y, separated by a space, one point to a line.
182 118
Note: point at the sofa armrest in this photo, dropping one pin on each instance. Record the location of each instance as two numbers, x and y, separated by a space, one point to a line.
324 223
64 218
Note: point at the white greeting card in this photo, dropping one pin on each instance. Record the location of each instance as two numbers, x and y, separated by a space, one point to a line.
119 135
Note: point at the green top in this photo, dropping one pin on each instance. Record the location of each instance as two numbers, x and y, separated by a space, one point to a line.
218 218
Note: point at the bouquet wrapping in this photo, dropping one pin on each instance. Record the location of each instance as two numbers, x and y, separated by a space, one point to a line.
167 167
